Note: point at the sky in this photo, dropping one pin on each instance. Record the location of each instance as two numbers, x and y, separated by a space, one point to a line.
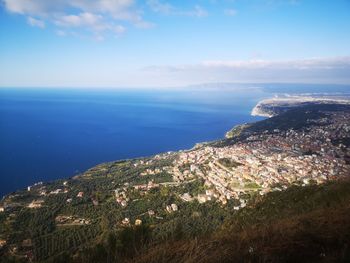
163 43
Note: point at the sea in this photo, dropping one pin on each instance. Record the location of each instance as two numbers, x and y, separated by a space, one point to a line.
51 133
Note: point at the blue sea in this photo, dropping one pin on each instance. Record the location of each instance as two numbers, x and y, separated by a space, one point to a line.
53 133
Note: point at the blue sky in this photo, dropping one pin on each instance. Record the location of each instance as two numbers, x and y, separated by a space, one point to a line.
155 43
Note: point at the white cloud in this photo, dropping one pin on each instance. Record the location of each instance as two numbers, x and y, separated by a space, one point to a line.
144 24
34 7
160 7
95 23
83 19
303 64
314 70
94 15
165 8
123 9
119 29
230 12
61 33
118 9
35 22
198 11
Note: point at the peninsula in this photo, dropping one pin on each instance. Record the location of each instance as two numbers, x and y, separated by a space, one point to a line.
272 107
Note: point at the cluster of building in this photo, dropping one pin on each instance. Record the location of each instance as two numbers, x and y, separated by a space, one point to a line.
2 243
71 220
41 189
269 161
126 222
121 196
146 187
36 203
171 208
151 171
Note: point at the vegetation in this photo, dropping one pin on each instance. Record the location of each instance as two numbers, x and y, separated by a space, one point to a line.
229 163
237 130
302 224
104 236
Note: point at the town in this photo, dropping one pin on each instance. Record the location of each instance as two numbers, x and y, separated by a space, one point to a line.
271 161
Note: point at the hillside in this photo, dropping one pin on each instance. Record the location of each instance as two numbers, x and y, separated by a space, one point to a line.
275 188
301 224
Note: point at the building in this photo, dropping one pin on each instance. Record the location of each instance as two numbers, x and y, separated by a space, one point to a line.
201 198
174 207
168 208
186 197
36 204
126 221
2 243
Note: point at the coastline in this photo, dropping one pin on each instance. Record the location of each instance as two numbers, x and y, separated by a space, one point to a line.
260 109
273 106
196 146
256 111
118 125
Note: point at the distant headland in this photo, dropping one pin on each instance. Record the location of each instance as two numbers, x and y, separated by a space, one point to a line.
275 106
